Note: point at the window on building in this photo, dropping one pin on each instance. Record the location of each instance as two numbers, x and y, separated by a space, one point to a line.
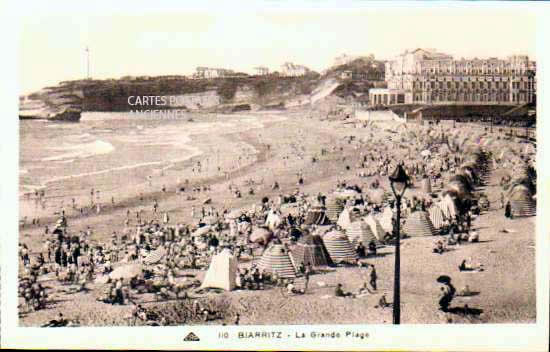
400 98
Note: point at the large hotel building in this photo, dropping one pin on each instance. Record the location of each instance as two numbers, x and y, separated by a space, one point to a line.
424 76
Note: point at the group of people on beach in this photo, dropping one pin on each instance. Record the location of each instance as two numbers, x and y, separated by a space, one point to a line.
168 248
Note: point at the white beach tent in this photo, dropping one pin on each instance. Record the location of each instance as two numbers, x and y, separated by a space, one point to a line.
385 219
448 207
345 219
375 227
273 220
221 272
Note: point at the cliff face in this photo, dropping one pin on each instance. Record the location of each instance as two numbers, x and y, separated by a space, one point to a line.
222 94
113 95
55 103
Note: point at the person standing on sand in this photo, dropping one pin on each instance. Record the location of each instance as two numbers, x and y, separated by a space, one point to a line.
373 277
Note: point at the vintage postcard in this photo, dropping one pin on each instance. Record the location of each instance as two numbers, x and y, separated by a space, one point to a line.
319 176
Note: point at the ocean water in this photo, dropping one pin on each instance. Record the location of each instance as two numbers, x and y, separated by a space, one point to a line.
107 143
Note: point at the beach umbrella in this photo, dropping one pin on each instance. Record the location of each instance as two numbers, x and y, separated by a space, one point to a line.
127 271
444 279
202 230
261 234
155 256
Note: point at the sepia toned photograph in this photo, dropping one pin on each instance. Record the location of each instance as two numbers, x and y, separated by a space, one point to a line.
354 183
288 167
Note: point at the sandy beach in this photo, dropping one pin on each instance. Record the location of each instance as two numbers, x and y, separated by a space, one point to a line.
277 151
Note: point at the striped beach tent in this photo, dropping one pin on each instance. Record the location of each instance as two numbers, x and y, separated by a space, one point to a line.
310 249
436 216
448 207
359 231
419 224
334 207
522 202
339 248
155 256
316 216
375 227
427 185
276 259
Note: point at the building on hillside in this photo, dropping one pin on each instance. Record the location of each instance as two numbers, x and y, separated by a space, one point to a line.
346 74
426 76
386 96
209 73
292 70
261 71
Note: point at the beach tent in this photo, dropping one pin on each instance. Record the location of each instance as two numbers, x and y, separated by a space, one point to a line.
385 219
273 220
334 207
522 202
322 230
310 249
316 216
155 256
419 224
359 231
339 248
375 227
221 272
345 218
529 149
436 216
277 260
448 206
427 185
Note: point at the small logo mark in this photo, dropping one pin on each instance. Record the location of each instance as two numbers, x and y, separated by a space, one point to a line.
191 337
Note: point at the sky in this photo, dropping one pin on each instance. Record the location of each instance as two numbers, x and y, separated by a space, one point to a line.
159 41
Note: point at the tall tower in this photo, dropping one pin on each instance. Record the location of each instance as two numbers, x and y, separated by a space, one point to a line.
87 63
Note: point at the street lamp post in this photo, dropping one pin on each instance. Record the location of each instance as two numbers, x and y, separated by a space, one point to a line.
398 181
